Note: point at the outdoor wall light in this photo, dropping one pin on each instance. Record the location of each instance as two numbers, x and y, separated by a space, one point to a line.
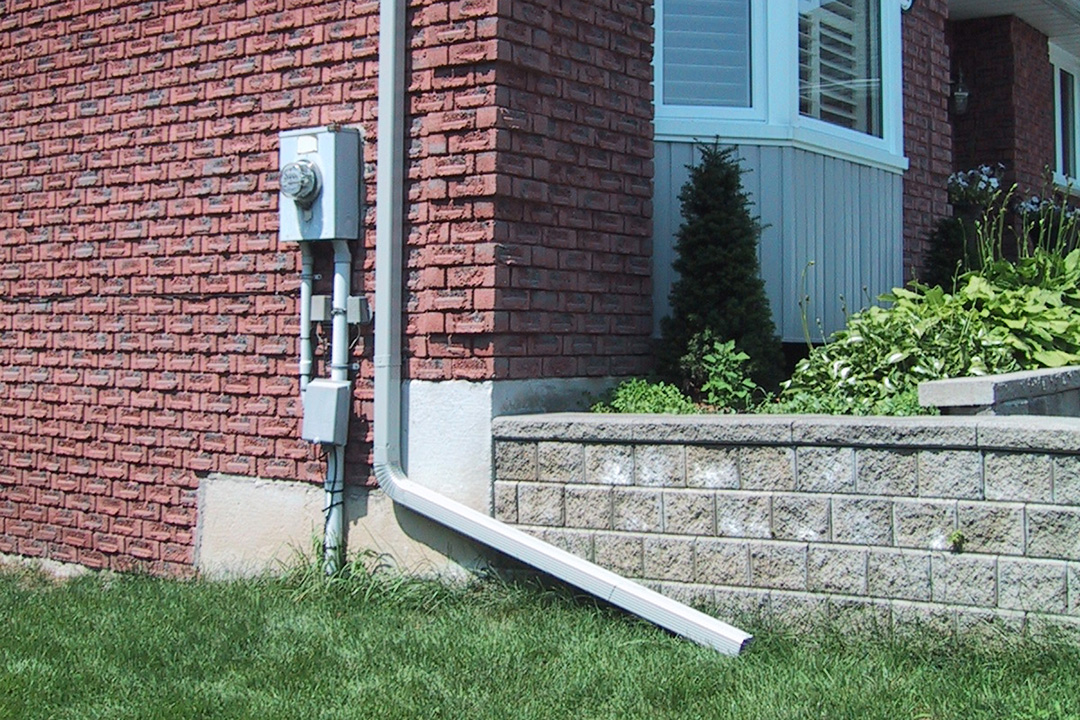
960 96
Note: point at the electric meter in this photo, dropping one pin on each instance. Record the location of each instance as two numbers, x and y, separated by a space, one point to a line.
320 183
300 182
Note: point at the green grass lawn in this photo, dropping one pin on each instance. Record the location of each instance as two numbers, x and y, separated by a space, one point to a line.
302 647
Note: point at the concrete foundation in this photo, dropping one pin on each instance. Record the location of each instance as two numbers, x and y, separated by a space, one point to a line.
247 526
447 444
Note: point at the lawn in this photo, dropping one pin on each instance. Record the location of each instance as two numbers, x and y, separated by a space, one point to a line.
113 647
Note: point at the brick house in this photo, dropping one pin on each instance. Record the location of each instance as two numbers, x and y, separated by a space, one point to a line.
149 399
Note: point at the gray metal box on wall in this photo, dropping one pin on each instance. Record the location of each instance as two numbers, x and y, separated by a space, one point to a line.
320 184
326 411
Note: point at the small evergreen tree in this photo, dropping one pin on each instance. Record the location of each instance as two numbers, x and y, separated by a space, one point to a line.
719 288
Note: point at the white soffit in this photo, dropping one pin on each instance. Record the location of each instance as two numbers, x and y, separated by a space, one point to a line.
1057 19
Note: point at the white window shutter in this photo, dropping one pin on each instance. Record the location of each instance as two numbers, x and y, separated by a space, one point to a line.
840 63
706 52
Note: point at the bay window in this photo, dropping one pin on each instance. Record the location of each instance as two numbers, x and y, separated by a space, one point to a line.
819 74
706 52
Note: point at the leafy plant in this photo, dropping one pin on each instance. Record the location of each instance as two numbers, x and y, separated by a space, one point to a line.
990 224
953 246
903 403
1012 314
642 396
1048 224
926 334
719 287
719 370
957 540
978 186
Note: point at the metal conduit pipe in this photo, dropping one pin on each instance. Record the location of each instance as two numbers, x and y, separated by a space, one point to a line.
339 312
630 596
307 277
334 503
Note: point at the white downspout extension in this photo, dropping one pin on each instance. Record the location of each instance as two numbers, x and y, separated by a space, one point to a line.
606 585
334 503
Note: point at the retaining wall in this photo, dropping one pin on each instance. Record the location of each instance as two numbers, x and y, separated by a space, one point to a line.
812 514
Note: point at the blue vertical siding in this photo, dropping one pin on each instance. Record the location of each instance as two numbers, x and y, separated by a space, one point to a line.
843 217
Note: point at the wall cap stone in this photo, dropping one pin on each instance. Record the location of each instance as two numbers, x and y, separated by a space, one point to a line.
997 393
1023 433
707 429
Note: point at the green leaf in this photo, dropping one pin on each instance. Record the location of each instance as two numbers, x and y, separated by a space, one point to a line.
1055 358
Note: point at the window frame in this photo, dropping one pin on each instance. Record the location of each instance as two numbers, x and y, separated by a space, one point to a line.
773 117
1060 60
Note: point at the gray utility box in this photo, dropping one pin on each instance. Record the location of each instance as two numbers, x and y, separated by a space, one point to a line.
326 411
320 184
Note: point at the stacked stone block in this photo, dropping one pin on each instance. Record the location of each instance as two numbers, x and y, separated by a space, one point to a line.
939 519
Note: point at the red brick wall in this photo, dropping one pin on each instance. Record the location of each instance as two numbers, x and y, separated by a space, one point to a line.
927 133
1010 118
147 313
532 154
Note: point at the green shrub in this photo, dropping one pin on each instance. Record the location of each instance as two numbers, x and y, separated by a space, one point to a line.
903 403
719 287
951 252
923 335
642 396
953 247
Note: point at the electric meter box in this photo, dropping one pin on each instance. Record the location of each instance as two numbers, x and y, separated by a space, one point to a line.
320 184
326 411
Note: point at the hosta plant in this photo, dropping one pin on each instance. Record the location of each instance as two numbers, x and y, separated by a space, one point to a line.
1011 316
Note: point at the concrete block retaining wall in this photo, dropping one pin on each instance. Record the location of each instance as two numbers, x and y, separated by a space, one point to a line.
812 514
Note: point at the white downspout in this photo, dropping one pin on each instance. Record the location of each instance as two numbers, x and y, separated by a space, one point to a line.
630 596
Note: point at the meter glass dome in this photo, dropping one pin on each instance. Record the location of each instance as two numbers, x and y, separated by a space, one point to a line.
300 181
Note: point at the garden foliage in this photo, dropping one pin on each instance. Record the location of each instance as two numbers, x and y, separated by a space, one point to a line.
953 246
1011 314
641 396
1017 307
719 371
